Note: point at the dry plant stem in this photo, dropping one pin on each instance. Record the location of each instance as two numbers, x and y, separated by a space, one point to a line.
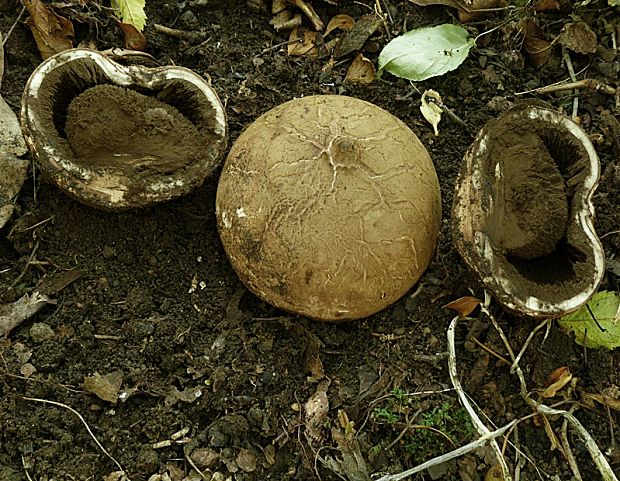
8 34
573 77
588 83
572 462
25 468
527 343
176 33
478 424
54 403
597 456
468 448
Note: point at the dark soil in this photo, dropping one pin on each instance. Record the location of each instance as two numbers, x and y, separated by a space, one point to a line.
157 302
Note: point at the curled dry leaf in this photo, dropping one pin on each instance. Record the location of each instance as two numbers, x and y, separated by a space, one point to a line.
556 381
578 37
134 39
361 71
480 8
536 45
545 5
52 33
605 400
431 110
339 22
306 44
464 306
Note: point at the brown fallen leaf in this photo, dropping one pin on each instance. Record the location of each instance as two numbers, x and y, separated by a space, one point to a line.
545 5
361 71
479 8
460 4
306 44
339 22
464 306
578 37
556 381
355 38
134 39
538 48
52 33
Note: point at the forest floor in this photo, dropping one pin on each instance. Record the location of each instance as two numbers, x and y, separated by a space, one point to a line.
210 377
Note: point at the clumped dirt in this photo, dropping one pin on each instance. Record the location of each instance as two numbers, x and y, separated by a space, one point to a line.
208 370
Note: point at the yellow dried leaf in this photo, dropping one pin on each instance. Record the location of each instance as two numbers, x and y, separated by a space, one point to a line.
556 381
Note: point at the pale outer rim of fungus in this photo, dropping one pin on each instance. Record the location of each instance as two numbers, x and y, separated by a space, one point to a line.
113 187
531 305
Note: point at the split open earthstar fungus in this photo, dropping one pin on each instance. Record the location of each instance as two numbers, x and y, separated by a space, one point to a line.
329 206
117 137
522 213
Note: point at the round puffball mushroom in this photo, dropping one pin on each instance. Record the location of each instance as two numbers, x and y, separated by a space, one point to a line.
329 207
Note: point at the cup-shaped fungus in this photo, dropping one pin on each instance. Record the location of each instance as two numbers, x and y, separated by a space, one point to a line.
329 207
522 213
117 137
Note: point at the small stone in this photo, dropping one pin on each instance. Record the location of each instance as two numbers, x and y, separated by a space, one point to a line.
105 387
246 460
205 458
188 20
40 332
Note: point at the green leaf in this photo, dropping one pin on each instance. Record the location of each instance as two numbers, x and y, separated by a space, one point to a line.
131 12
605 331
614 3
425 52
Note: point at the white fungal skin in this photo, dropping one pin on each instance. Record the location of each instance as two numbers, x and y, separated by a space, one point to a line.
340 207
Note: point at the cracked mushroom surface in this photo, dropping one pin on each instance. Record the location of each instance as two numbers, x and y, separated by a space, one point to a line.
329 207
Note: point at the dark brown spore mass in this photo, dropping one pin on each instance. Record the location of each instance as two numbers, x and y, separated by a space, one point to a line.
530 206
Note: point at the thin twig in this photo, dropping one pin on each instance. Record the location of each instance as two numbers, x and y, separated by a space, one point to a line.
8 34
281 44
46 401
588 83
572 462
477 422
573 77
23 272
526 344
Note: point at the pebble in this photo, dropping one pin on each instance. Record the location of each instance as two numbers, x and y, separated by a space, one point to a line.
40 332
